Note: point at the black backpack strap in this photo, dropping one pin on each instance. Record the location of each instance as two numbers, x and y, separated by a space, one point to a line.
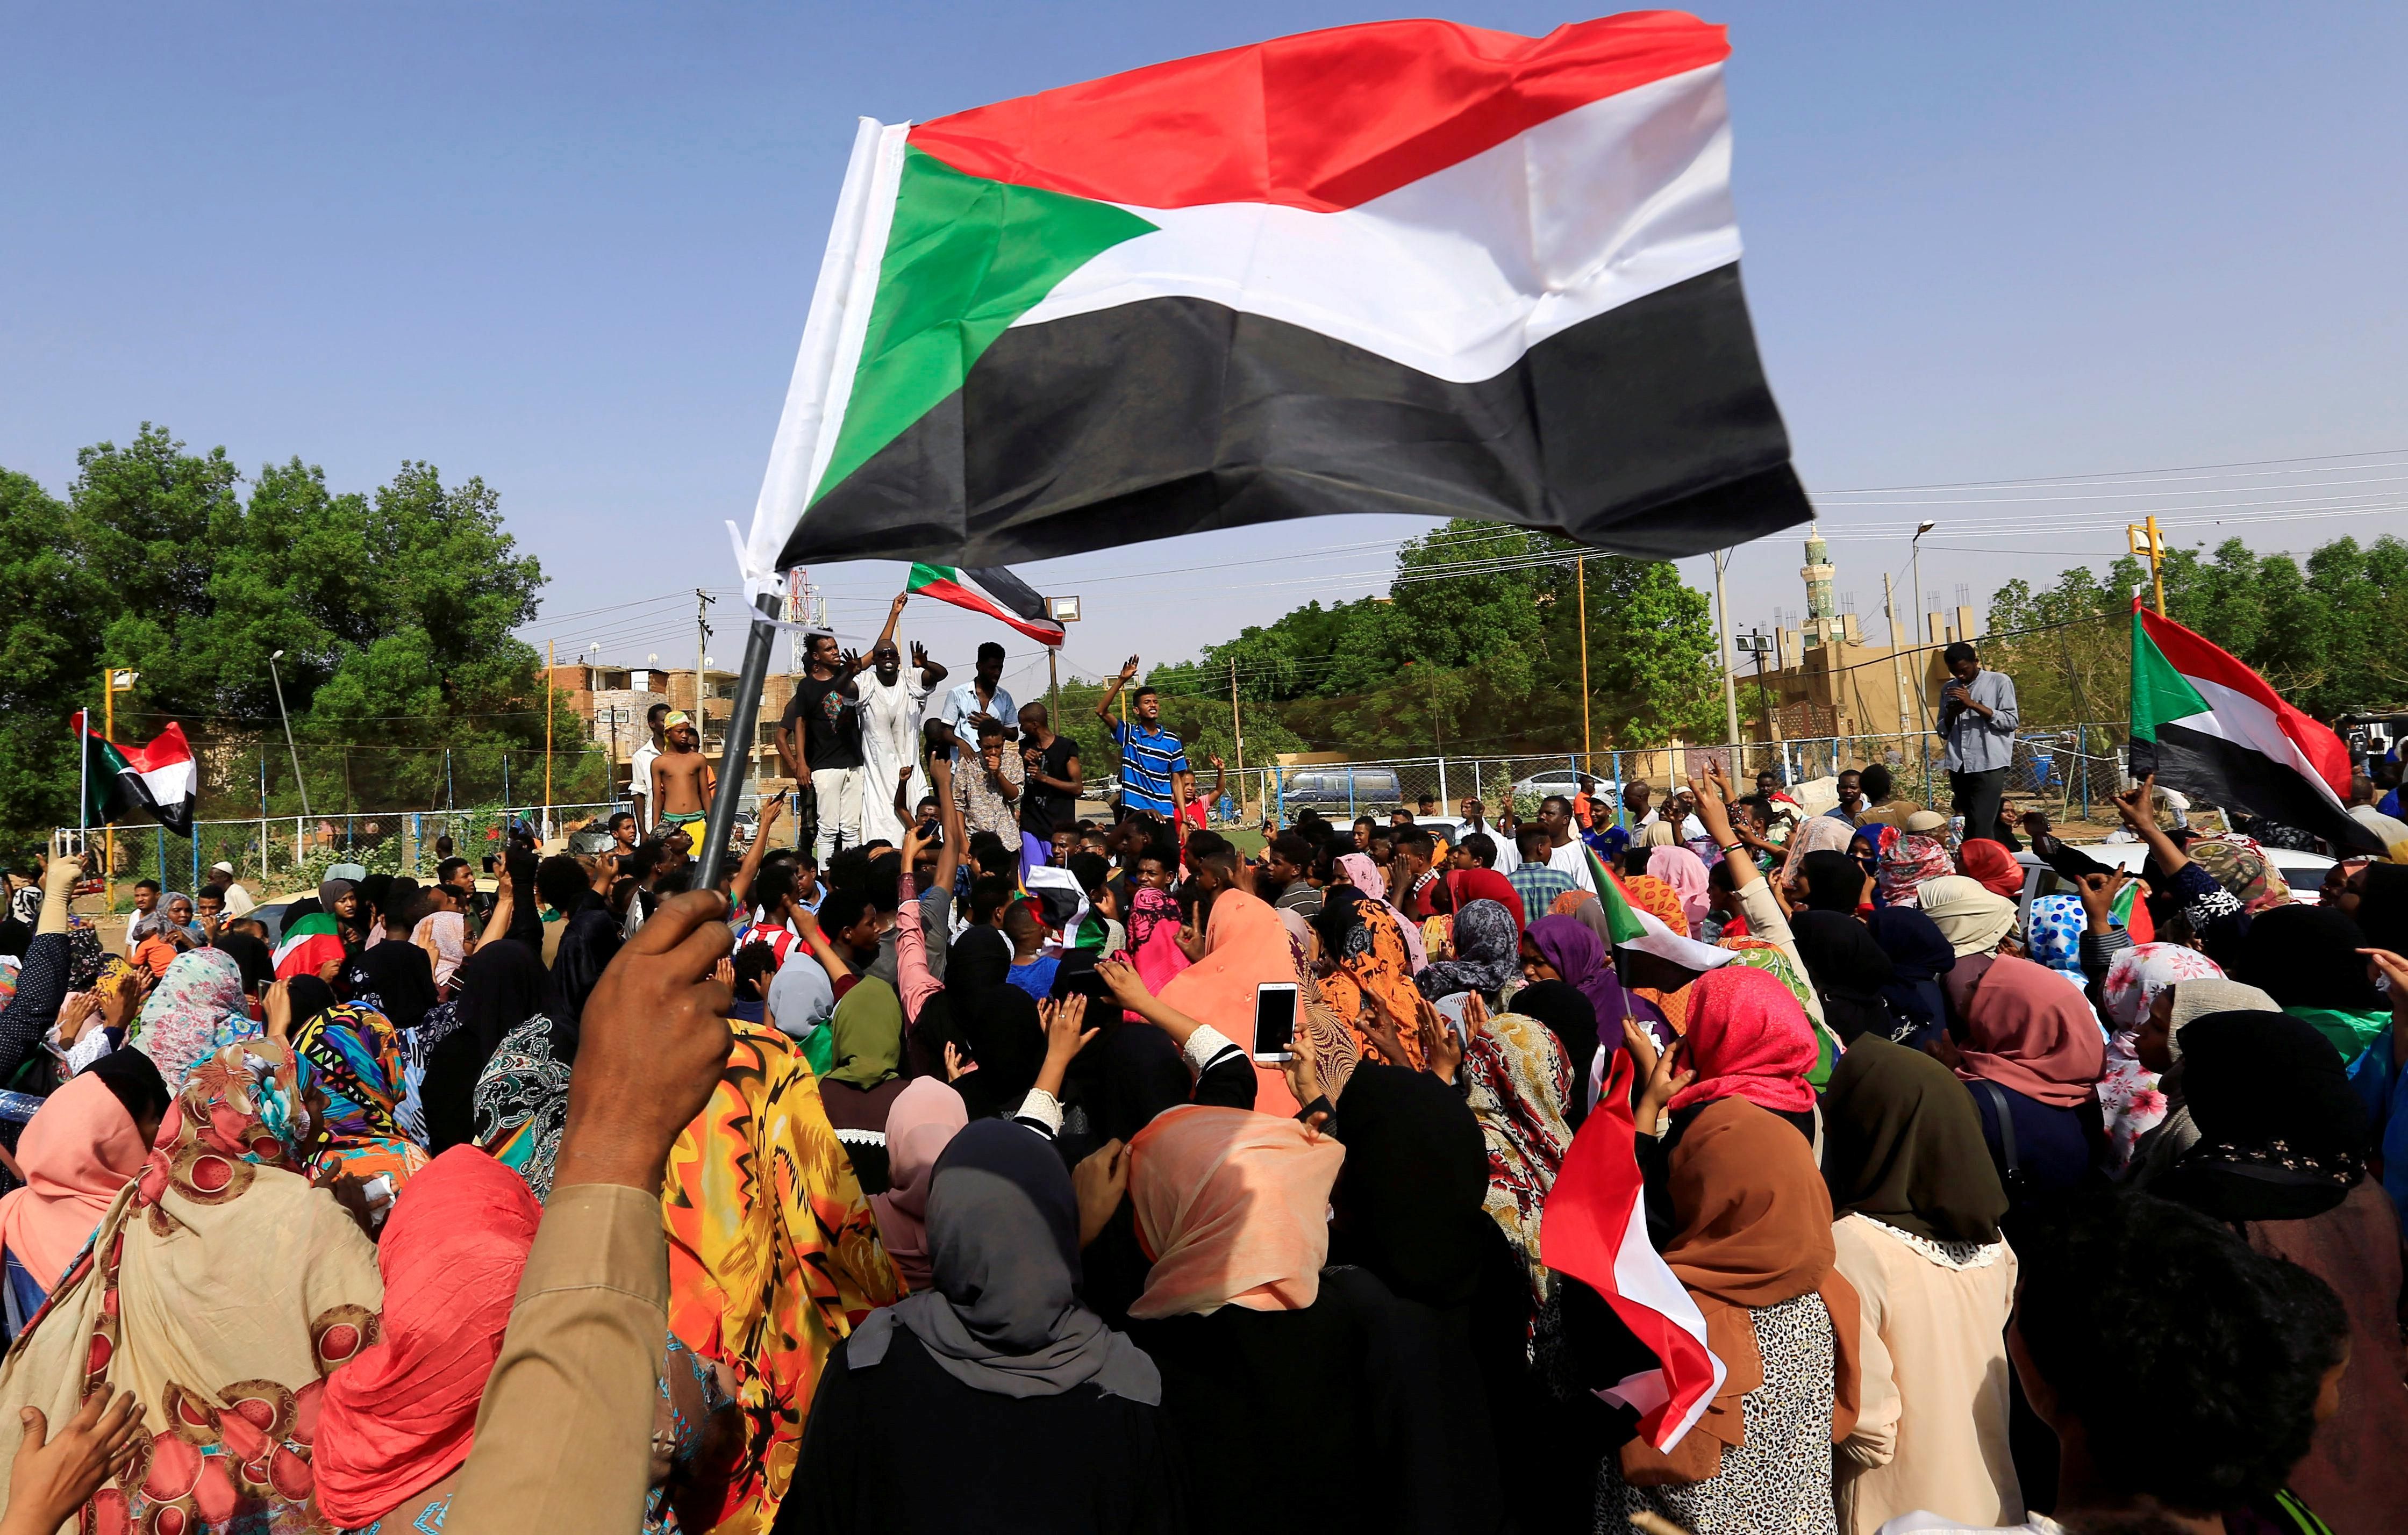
2006 1126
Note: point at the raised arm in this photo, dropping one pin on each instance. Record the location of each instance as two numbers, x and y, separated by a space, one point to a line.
930 672
948 813
771 809
893 617
1112 690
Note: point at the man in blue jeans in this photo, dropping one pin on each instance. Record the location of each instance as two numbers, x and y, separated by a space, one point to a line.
1977 720
1155 776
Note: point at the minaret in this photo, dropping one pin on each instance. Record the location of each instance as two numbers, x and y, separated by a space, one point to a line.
1822 609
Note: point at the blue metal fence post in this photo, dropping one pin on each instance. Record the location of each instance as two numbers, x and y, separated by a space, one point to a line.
163 855
506 791
1350 791
196 860
1621 810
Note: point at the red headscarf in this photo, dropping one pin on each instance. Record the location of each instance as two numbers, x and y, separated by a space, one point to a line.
2027 1029
1991 866
398 1418
1469 885
1749 1038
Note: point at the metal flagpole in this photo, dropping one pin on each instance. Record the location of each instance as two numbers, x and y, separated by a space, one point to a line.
1580 579
1730 688
743 711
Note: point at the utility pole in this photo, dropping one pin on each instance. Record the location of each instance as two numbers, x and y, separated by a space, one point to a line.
1730 688
2146 540
1053 688
1580 582
551 660
1896 674
1236 729
702 604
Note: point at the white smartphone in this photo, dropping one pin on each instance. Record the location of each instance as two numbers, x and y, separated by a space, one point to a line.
1275 1022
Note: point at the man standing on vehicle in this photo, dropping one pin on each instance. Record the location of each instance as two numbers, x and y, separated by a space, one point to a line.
1977 720
822 728
1154 775
640 769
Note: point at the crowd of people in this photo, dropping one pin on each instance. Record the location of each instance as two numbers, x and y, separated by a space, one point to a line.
987 1165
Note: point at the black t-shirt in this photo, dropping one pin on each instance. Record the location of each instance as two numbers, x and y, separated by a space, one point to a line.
829 716
1042 809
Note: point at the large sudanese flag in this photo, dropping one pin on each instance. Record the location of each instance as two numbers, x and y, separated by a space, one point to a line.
2206 724
1408 266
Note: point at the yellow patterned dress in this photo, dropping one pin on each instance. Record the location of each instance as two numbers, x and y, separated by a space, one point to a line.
774 1256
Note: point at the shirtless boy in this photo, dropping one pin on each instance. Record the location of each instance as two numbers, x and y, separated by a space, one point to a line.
682 779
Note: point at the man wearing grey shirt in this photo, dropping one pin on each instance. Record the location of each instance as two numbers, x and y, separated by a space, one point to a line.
1977 719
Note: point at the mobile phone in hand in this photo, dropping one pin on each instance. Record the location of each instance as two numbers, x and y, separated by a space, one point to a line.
1275 1022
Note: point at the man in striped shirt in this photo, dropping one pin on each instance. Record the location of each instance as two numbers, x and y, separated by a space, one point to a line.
1153 764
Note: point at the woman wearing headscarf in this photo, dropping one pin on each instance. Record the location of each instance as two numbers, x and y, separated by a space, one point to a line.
1363 949
1989 864
1916 1236
2158 1047
1682 870
1411 1240
354 1056
1748 1038
1520 1085
1154 936
1829 882
1817 835
1907 865
81 1148
1469 885
2308 959
2028 1050
773 1255
1750 1242
1571 1020
2053 935
925 1116
1566 949
2128 1091
222 1288
399 1419
1255 1337
1043 1417
521 1103
1975 921
196 1009
253 958
393 979
2244 870
1245 946
1849 973
1488 955
2282 1160
501 986
865 1073
1919 956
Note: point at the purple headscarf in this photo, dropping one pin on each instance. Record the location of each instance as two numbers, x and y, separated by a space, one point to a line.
1578 955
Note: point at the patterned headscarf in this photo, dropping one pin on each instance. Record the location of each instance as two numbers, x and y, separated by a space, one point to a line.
85 956
2053 933
354 1056
521 1103
196 1008
1364 875
1488 954
2244 872
1680 869
2142 971
1907 864
1520 1088
2130 1095
1149 907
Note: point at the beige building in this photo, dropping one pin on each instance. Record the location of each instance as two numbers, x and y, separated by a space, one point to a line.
615 701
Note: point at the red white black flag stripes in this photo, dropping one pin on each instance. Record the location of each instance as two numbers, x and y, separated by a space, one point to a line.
1408 266
1595 1229
2205 724
159 778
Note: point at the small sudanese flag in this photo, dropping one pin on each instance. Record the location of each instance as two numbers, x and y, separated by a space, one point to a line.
159 779
309 943
994 592
1408 266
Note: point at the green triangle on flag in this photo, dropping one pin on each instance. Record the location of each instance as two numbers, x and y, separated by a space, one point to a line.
2159 691
1621 918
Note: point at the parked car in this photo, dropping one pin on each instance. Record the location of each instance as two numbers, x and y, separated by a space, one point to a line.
2304 871
1337 787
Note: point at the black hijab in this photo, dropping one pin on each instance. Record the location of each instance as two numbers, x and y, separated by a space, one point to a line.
1847 968
1337 919
309 997
1834 881
135 1078
395 978
1573 1020
978 961
2383 906
501 986
1408 1203
2282 1133
1141 1075
2306 957
1006 1041
258 964
1903 1145
1918 956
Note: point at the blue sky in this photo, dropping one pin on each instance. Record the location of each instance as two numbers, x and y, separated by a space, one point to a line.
569 248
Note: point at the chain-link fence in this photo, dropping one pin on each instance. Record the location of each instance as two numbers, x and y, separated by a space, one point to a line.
277 853
2073 769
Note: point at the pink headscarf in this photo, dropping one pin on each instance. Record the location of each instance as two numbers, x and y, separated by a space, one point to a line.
78 1151
922 1121
1913 862
1364 875
2142 971
2027 1029
1233 1207
1682 870
1748 1038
